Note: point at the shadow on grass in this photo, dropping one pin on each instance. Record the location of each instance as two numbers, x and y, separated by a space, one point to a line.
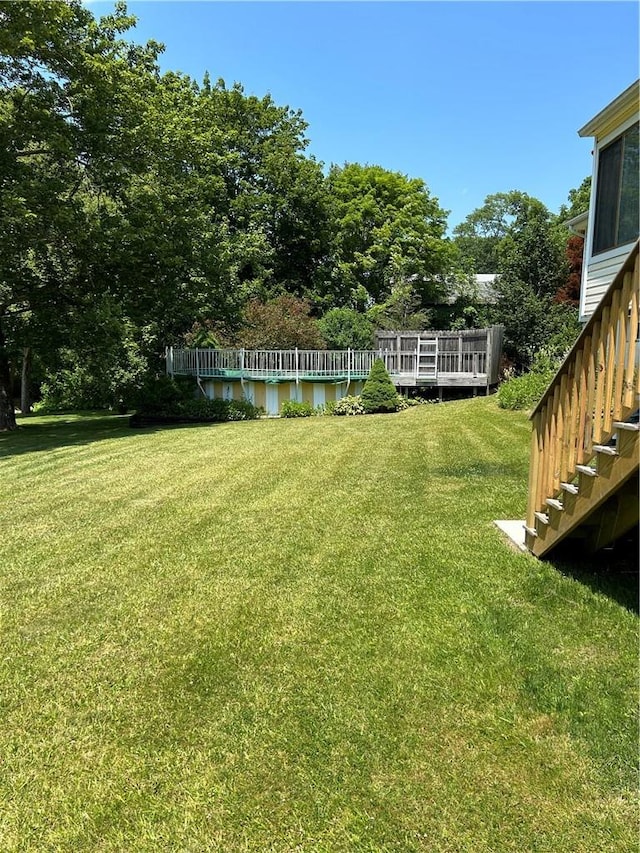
42 433
613 572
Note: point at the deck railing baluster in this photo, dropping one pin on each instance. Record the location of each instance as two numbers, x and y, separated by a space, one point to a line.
632 353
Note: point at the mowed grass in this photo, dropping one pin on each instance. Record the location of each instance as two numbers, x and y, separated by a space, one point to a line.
301 635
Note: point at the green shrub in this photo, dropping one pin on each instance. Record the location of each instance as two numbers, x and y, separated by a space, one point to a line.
163 400
293 409
162 395
202 409
410 402
523 392
379 393
244 410
219 410
347 406
68 390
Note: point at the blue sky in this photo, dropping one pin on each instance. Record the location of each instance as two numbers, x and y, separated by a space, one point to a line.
472 97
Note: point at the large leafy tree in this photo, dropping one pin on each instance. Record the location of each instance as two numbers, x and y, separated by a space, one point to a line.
532 268
388 229
344 328
516 236
229 209
578 201
169 201
478 238
72 93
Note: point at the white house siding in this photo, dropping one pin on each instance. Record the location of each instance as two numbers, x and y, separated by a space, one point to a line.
598 277
319 398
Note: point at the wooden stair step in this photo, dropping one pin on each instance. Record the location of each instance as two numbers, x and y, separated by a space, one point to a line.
587 470
606 449
555 503
571 488
626 426
542 517
531 531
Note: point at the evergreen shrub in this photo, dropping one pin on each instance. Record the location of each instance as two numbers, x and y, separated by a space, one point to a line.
379 393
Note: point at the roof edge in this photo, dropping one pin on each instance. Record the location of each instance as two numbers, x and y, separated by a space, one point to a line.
627 99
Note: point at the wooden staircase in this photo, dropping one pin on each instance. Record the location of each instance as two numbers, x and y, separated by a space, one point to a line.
585 445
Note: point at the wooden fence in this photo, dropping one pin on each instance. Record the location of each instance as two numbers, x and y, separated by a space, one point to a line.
597 386
470 352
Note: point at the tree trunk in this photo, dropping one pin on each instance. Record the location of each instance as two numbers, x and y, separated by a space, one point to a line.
7 412
25 387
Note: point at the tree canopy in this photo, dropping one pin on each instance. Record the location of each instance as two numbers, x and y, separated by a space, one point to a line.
72 94
388 229
142 209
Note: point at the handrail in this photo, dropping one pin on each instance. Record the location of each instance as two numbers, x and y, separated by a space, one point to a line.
597 385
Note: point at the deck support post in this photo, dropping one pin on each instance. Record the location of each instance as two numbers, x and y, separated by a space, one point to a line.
297 368
488 369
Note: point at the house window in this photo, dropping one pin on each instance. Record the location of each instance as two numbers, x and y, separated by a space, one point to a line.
617 210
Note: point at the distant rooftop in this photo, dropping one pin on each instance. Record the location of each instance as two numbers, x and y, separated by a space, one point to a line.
484 283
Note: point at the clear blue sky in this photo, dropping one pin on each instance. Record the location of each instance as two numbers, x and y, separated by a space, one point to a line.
472 97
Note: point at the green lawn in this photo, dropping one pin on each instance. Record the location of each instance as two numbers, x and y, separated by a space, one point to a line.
301 635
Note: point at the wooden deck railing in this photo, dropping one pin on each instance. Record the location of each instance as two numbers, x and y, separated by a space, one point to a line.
318 364
597 385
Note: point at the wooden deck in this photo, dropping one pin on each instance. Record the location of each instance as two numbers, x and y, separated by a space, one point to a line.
468 358
414 359
583 476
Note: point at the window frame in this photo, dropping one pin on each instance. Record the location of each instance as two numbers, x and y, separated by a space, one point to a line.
601 144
